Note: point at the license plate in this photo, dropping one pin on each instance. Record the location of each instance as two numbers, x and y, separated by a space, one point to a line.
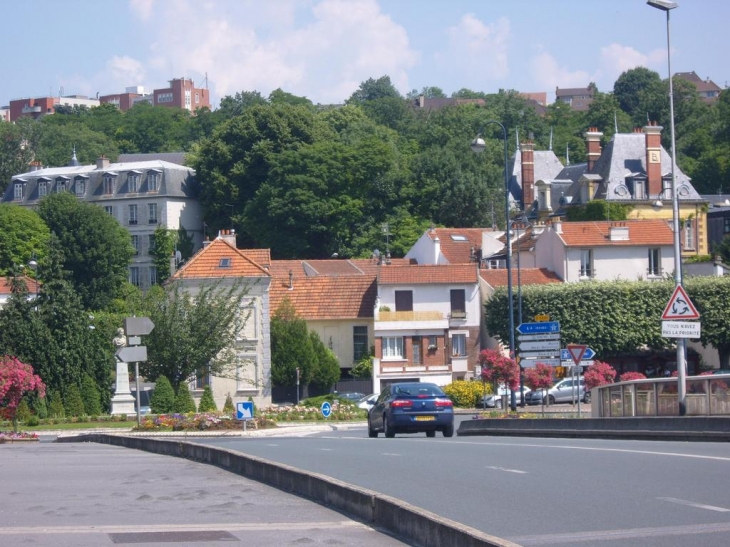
425 418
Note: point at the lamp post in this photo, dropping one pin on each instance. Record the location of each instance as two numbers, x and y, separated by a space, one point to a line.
524 224
667 6
478 145
33 265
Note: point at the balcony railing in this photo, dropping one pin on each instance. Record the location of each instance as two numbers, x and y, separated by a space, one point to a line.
410 316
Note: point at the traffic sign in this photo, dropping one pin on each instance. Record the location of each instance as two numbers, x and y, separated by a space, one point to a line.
326 409
539 328
576 352
535 337
540 345
680 306
589 353
138 326
541 317
538 354
530 363
583 363
132 354
244 410
681 329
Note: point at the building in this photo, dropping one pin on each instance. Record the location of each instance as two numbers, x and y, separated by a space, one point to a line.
182 93
579 98
130 97
5 114
718 219
708 90
6 286
437 103
142 196
42 106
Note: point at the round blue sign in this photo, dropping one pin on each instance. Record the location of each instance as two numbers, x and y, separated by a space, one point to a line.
326 409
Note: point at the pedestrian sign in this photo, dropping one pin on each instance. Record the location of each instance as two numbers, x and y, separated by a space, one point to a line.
680 306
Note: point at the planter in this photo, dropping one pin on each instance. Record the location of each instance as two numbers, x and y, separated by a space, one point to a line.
7 440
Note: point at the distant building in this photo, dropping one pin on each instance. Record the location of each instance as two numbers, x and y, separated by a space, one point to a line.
130 97
41 106
425 103
579 98
5 114
708 90
182 94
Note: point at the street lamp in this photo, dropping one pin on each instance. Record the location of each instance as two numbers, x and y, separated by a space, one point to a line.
667 6
33 265
478 145
523 224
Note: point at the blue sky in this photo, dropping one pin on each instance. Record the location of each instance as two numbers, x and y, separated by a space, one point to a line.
323 49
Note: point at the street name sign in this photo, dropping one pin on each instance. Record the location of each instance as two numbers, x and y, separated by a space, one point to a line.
538 354
540 345
535 337
589 353
680 307
583 363
530 363
132 354
539 328
681 329
138 326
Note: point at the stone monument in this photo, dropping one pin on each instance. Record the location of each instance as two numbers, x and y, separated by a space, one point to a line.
122 402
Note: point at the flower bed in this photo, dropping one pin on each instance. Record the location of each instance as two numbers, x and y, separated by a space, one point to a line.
209 421
21 436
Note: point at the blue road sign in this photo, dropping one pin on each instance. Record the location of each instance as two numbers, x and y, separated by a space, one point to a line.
537 328
326 409
244 410
565 354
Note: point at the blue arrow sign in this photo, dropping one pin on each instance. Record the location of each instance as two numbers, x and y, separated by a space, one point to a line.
326 409
244 410
565 354
537 328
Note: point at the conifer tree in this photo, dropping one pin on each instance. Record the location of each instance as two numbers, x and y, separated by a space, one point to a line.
73 403
90 396
184 402
163 397
207 403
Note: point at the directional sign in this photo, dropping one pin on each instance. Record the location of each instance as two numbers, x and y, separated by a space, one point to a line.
583 363
530 363
539 328
538 354
244 410
138 326
326 409
540 345
132 354
681 329
680 306
576 352
535 337
589 353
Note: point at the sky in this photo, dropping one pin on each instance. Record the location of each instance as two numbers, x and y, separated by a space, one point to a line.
324 49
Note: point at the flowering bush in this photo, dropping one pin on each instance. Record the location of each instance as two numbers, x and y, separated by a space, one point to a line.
197 422
16 379
627 376
464 393
599 374
17 435
497 368
539 377
341 411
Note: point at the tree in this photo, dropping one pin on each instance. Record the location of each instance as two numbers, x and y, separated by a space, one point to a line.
90 396
207 403
184 402
498 369
166 242
194 331
372 89
146 128
279 96
234 106
599 374
327 370
18 142
72 401
228 405
539 377
96 248
56 409
291 347
16 379
57 143
22 234
631 89
163 397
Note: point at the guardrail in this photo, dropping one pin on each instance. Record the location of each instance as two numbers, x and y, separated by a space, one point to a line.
706 396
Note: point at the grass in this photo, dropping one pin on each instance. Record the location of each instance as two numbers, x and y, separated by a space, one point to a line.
73 426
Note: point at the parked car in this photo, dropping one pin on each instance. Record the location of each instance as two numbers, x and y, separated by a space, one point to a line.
721 371
562 392
367 402
349 396
411 407
494 400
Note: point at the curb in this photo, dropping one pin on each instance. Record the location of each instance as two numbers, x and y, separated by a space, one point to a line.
406 521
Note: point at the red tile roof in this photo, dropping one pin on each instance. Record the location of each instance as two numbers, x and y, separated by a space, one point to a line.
411 275
458 251
208 262
526 276
322 297
596 234
6 285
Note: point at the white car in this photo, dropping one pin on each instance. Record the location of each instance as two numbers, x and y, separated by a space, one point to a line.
367 402
494 400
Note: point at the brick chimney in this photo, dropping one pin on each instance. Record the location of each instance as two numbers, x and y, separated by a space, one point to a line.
653 136
527 151
593 145
102 162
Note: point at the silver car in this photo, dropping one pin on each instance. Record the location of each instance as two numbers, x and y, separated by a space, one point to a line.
494 400
563 392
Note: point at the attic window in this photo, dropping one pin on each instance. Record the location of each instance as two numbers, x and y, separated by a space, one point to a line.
458 237
224 263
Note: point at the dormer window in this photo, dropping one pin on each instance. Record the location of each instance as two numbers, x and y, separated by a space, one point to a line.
19 191
80 186
61 184
153 181
224 263
42 188
109 181
637 187
133 182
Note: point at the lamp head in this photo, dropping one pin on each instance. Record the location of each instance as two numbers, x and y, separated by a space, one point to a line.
32 264
478 144
664 5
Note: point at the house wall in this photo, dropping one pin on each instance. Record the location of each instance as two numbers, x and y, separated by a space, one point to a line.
435 297
620 262
426 251
337 334
550 253
696 211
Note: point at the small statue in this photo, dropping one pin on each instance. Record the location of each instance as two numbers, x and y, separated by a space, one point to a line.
120 340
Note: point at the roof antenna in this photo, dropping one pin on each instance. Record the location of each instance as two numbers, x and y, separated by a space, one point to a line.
550 147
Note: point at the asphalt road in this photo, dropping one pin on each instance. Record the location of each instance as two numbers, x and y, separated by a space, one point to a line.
532 491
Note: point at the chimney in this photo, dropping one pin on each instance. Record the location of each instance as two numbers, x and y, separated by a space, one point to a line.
558 227
436 249
527 151
102 162
229 236
593 145
653 137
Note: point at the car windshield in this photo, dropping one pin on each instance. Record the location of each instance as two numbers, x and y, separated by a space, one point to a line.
417 390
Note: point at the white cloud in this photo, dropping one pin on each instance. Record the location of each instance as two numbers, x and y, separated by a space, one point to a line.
141 8
548 74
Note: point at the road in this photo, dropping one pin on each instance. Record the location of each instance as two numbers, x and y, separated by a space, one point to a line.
533 491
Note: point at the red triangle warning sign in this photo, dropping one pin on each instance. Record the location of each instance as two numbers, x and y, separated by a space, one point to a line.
680 306
576 352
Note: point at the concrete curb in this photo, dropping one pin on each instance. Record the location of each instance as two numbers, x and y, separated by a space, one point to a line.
406 521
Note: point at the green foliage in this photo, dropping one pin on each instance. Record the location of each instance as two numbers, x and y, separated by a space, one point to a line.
22 235
18 143
291 347
327 370
228 405
599 210
184 402
463 393
23 414
55 407
73 403
363 368
207 403
163 397
90 396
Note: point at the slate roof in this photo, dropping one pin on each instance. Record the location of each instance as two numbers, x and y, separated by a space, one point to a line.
221 259
654 232
546 165
526 276
428 274
170 157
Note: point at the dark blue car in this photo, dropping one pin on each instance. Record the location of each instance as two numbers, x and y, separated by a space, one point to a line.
412 407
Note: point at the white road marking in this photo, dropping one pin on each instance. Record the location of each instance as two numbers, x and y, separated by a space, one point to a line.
389 454
327 449
505 469
698 505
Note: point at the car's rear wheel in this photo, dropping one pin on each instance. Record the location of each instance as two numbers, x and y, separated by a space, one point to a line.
387 428
449 431
550 400
498 403
431 433
372 433
587 397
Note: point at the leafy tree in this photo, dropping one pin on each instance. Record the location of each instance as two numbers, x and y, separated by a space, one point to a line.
56 409
291 347
539 377
96 248
228 405
146 128
163 397
599 374
194 332
73 403
429 92
363 368
631 90
279 96
372 89
18 142
90 396
166 242
498 369
57 143
233 106
22 234
326 372
16 379
184 402
207 403
599 209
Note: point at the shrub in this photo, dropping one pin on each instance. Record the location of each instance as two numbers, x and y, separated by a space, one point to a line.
627 376
163 397
56 409
33 421
228 405
464 393
23 413
599 374
39 405
539 377
499 369
184 402
73 403
90 396
207 403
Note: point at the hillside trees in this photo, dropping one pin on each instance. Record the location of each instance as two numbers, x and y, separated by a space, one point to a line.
22 234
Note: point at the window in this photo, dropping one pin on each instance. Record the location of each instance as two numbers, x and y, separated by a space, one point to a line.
42 188
432 342
187 99
586 263
152 213
202 379
458 303
132 215
134 275
133 182
164 97
359 343
135 244
393 347
153 275
224 262
19 190
666 189
197 97
639 189
655 264
108 182
403 300
109 209
150 243
689 234
80 187
61 183
458 345
726 225
153 181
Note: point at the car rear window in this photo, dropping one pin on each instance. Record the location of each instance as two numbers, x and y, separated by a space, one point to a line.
418 390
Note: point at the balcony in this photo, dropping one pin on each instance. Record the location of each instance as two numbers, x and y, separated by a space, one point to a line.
402 320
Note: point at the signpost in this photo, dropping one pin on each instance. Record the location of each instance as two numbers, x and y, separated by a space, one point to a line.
539 328
539 343
244 412
588 354
531 363
134 327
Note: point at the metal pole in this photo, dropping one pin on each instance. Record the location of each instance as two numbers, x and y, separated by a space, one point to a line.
136 382
519 321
